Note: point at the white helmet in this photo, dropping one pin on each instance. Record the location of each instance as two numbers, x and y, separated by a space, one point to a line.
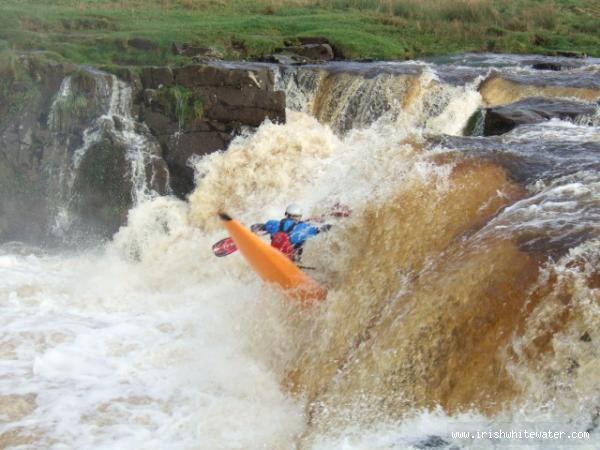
293 209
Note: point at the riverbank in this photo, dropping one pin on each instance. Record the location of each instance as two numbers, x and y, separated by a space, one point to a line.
142 32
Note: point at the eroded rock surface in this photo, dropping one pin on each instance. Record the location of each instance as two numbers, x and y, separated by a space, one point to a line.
199 109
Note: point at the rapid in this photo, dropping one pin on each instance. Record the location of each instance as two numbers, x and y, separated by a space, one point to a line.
464 289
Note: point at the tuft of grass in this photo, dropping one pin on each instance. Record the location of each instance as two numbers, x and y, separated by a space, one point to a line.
78 106
197 110
66 111
180 103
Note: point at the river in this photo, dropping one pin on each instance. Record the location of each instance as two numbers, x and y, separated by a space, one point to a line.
464 289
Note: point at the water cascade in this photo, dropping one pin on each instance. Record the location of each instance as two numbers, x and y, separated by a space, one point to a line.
111 119
464 289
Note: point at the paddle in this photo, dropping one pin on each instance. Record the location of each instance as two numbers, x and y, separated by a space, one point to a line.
227 246
224 247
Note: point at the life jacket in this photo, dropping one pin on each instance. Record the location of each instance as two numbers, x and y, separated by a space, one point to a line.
281 240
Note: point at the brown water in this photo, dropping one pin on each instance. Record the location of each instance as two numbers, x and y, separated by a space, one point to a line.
467 277
464 289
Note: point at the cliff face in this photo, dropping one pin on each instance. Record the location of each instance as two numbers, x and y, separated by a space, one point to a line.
79 146
27 148
199 109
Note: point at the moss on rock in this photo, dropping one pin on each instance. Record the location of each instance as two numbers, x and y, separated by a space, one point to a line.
72 110
179 103
18 91
103 187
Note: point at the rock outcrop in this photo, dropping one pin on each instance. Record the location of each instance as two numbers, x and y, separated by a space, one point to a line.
502 119
304 50
199 109
67 152
102 187
555 66
79 146
195 51
312 52
28 86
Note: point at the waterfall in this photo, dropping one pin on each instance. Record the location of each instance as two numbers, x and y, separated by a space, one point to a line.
116 121
410 95
463 290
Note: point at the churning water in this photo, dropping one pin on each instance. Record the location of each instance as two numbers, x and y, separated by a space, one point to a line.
464 290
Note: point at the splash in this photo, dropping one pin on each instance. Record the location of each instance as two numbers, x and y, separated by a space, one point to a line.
463 290
410 95
435 278
96 341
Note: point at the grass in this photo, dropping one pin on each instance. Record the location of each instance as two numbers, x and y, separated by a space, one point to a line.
76 107
179 102
97 31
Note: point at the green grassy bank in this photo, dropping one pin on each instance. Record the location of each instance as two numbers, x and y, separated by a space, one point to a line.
98 31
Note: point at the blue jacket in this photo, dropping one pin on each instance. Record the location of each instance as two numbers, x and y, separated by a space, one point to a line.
299 234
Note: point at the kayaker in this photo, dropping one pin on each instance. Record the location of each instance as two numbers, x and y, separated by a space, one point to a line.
289 234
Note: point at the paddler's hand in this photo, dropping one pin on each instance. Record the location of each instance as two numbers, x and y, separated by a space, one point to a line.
325 227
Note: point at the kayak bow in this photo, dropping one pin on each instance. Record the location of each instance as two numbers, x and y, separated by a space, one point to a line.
272 265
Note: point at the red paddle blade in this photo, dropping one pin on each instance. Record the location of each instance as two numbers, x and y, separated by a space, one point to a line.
340 210
224 247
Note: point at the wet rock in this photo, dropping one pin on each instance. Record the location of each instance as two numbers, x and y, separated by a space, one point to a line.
156 77
474 126
118 123
182 147
186 145
571 54
312 52
128 75
585 337
142 44
28 85
103 188
45 72
204 108
159 123
502 119
75 111
432 442
251 116
202 75
290 60
39 140
192 50
246 105
553 66
157 173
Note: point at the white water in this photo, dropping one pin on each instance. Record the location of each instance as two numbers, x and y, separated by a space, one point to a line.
152 354
140 149
152 343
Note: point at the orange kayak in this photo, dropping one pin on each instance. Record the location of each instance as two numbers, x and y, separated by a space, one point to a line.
272 265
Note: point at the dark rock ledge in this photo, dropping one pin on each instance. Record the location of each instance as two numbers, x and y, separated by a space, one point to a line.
199 109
